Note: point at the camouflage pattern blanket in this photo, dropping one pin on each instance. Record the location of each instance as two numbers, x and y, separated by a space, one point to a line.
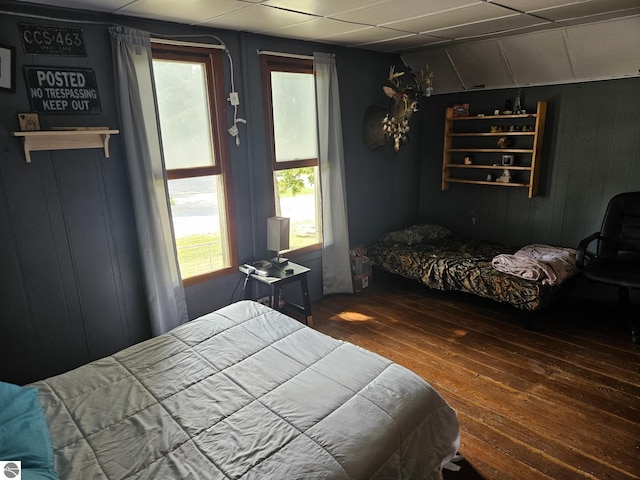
454 263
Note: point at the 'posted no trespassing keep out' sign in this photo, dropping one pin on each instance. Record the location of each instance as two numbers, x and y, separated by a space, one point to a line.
62 90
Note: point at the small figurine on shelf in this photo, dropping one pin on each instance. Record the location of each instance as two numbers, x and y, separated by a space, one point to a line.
505 177
503 142
467 160
517 107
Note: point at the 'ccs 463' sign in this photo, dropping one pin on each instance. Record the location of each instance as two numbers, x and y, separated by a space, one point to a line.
52 40
62 90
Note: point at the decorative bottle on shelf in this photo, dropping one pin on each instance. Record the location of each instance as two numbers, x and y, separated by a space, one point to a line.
517 107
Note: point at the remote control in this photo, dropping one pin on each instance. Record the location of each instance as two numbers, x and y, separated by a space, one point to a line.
250 269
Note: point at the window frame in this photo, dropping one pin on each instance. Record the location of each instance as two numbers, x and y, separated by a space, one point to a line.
274 63
214 66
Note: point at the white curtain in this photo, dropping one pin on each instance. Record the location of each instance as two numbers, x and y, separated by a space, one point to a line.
139 128
336 269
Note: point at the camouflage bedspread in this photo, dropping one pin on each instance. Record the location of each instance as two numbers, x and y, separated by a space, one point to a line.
459 264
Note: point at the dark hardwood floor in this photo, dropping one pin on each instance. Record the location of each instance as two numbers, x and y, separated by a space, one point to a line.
559 402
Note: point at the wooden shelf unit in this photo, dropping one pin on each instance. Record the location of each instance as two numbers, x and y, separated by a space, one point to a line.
472 136
65 140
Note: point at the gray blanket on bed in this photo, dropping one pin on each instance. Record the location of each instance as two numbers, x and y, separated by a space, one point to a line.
246 392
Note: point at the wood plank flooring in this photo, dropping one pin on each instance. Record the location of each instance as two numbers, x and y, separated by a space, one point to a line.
559 402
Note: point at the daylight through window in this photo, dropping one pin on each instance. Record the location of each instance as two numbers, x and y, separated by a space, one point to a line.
195 157
291 117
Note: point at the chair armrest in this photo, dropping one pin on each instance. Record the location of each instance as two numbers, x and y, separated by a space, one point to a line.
582 248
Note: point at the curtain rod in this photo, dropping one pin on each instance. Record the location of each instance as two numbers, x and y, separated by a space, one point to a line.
287 55
166 41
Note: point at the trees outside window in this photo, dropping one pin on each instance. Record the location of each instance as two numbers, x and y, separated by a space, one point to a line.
290 107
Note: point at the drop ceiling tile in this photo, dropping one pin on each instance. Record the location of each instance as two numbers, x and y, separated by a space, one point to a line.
513 25
324 8
481 65
401 43
257 18
605 50
95 5
315 29
538 58
364 35
396 10
600 17
536 5
445 78
465 16
585 9
193 11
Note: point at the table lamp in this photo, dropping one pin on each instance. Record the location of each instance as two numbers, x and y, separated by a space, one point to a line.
278 238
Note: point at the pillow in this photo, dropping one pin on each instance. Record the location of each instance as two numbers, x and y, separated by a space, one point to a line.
416 234
24 434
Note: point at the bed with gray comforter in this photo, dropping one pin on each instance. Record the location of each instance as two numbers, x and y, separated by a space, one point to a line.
246 392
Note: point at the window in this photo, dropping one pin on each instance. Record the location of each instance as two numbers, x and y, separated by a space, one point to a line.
292 127
191 105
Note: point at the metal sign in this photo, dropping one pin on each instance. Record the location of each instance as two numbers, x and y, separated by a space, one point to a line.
62 90
52 40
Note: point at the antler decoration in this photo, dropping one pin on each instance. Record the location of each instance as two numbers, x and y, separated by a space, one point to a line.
404 101
393 76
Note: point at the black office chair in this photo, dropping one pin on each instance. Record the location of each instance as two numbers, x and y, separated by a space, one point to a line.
617 258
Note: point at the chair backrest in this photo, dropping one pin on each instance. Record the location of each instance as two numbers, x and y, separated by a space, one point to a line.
620 233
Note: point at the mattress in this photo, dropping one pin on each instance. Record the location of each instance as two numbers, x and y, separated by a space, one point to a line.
246 392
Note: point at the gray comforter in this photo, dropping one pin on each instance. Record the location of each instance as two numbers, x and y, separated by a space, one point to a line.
246 392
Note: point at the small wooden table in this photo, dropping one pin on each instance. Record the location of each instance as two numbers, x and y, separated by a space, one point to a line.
276 278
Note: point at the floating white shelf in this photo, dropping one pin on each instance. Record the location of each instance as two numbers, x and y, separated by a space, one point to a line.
65 140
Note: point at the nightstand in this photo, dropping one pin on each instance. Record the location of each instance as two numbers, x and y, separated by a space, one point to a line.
275 279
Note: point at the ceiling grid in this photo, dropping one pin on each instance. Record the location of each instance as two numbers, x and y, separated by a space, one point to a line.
551 41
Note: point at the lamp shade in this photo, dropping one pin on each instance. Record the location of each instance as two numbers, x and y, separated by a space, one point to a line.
277 234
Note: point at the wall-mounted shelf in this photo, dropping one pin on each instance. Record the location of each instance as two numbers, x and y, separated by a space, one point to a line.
473 137
65 140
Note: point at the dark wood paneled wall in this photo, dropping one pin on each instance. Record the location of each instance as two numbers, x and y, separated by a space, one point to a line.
70 282
591 152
